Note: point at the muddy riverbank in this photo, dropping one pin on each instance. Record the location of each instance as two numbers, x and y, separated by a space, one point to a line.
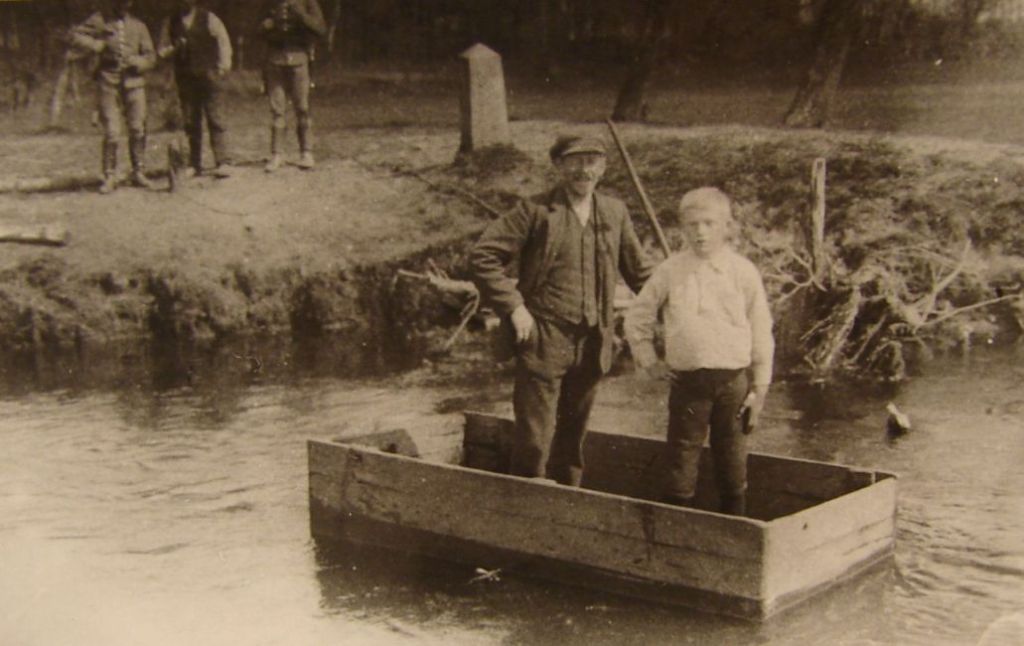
917 226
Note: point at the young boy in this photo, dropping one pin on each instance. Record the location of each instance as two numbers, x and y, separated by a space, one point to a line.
718 347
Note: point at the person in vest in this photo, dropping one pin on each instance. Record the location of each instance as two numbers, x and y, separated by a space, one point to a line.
570 246
199 44
125 51
290 28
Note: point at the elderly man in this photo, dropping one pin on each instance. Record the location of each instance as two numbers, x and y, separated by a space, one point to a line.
570 245
125 50
199 44
290 28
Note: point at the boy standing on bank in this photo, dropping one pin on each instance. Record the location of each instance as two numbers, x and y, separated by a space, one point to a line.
718 349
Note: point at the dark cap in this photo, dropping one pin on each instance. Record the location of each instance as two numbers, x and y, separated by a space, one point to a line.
575 145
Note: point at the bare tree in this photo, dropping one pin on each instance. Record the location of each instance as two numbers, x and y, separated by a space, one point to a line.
651 35
837 24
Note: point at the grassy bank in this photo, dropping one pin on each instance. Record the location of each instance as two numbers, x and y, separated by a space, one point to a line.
302 252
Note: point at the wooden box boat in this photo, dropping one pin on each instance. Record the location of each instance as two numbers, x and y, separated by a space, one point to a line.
810 524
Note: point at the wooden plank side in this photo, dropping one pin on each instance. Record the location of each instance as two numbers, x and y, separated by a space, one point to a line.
627 536
810 480
634 466
327 472
819 543
378 534
830 565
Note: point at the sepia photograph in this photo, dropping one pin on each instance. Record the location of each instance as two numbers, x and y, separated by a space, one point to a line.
517 323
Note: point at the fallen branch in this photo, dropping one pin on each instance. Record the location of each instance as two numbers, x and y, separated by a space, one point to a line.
925 306
464 289
967 308
53 235
56 184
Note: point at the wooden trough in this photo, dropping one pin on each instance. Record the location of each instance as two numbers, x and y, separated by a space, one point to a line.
810 524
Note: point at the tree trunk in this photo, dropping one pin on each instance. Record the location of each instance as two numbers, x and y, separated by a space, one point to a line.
630 105
333 20
836 28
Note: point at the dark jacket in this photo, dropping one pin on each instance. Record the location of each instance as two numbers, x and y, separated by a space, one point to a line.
202 48
291 38
528 237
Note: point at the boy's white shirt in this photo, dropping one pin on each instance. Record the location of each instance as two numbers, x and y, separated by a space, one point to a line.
716 315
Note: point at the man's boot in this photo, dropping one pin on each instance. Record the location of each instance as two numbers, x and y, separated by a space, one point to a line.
306 160
137 150
109 167
276 138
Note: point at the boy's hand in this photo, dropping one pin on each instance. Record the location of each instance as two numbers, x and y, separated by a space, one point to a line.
522 323
658 370
750 411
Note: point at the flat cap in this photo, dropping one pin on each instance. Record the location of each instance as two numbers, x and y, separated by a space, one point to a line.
574 145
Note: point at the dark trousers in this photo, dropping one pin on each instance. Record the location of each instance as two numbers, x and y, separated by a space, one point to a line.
203 95
557 374
699 401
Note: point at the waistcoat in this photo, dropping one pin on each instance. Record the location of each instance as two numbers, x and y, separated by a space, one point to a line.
569 293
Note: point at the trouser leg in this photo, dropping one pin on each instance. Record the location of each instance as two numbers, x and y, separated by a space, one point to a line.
299 90
729 444
135 113
540 366
689 411
188 93
109 108
576 399
533 401
214 107
275 78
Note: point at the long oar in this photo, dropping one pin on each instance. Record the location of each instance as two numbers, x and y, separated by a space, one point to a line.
639 189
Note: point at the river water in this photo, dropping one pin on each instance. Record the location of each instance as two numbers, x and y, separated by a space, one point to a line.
161 499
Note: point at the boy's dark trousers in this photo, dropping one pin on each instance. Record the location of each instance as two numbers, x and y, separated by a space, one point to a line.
203 94
699 401
557 374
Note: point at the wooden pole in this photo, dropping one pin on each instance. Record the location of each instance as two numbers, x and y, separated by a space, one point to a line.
648 208
817 238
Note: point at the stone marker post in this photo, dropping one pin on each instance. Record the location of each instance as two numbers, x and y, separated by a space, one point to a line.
484 112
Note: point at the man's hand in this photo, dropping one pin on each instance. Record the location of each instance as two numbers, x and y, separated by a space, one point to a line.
750 410
523 323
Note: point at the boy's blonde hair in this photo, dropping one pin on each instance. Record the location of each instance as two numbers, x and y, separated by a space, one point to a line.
704 197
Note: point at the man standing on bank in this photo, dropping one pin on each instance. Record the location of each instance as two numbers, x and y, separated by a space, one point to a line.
198 41
291 28
570 246
125 51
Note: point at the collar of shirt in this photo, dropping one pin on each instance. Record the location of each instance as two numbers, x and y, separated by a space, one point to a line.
718 261
582 217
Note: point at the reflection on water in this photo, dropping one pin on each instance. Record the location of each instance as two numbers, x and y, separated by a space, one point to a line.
160 498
